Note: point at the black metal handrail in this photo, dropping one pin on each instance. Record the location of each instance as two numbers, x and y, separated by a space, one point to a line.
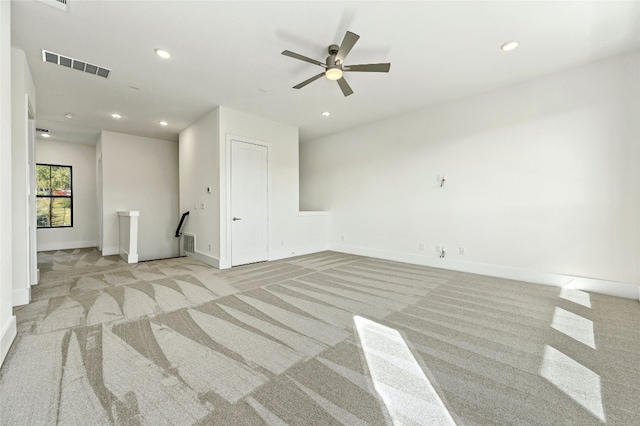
184 215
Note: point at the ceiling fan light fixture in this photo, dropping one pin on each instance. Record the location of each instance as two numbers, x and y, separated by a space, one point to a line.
333 74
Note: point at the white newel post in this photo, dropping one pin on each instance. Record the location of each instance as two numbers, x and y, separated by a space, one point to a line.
128 221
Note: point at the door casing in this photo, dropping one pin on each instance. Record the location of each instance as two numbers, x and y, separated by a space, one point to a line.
225 260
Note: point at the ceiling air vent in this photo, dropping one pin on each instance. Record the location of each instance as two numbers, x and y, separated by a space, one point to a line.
58 4
76 64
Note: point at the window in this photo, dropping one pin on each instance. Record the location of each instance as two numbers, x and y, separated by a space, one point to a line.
54 200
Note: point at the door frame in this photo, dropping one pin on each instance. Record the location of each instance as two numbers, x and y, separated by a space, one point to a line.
225 213
34 272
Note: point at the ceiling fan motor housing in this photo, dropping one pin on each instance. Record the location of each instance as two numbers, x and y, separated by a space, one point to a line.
331 62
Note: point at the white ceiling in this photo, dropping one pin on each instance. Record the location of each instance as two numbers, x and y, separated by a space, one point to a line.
229 53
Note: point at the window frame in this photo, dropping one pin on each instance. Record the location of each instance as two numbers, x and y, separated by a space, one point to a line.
51 197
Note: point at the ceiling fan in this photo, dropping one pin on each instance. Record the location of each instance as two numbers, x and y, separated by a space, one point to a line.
334 66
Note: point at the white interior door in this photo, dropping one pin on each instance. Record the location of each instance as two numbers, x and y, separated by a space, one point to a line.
249 199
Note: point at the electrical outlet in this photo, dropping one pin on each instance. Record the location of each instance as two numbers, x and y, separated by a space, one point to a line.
342 237
421 246
462 251
202 206
210 247
281 242
195 206
438 248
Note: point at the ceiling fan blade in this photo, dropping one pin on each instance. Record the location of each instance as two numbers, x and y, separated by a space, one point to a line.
303 58
346 89
311 80
346 45
368 68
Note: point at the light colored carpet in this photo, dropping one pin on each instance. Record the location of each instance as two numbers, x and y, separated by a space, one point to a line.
322 339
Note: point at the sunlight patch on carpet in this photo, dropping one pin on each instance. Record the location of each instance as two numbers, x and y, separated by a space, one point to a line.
574 326
397 377
574 379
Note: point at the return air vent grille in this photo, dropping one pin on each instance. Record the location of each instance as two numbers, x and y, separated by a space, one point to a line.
76 64
189 243
58 4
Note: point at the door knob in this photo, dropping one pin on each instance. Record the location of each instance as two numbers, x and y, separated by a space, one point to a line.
237 218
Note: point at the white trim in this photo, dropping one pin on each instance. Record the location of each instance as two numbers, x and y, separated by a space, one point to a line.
224 263
21 297
205 258
297 251
67 245
110 251
225 214
129 258
7 335
611 288
313 213
128 235
32 228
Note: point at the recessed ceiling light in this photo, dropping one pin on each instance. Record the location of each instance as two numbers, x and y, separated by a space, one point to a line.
45 135
326 114
116 116
163 123
163 53
510 45
68 115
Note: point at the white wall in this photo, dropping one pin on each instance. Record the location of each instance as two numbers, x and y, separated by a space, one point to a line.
21 87
7 319
82 159
204 163
289 232
199 169
140 174
541 176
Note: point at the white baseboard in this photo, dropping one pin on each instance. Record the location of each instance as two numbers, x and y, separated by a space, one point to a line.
297 251
7 335
66 245
611 288
129 258
205 258
284 253
21 297
110 251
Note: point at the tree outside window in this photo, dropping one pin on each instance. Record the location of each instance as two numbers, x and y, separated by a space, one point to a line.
54 200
